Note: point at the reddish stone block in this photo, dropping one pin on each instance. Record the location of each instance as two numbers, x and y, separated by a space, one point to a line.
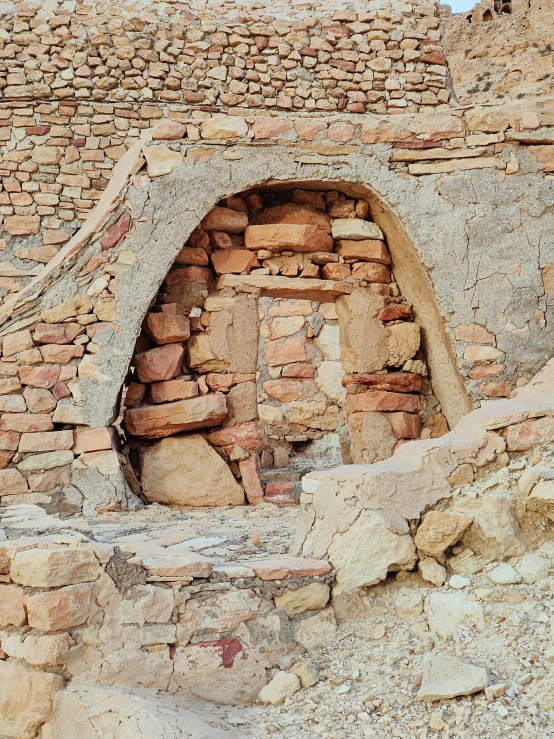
134 395
177 276
159 364
382 401
398 382
167 328
394 312
57 333
527 434
116 232
366 250
405 425
250 472
336 271
60 390
9 441
57 354
157 421
190 255
221 383
44 377
299 370
5 459
225 219
233 261
280 493
278 567
39 400
166 392
245 435
286 352
91 440
26 422
279 237
94 328
371 272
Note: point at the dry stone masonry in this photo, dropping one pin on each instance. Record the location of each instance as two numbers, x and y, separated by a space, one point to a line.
276 375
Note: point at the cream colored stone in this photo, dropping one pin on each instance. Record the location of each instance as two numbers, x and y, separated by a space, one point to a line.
160 159
328 379
355 228
328 342
25 699
186 470
50 568
316 630
280 687
223 127
306 598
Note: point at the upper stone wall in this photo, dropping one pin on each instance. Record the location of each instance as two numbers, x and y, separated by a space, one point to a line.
380 57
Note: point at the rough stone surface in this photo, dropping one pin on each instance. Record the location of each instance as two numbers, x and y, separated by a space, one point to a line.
447 677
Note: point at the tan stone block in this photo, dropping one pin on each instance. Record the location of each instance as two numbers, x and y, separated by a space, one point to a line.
25 699
170 390
225 219
39 400
44 377
439 531
16 342
185 470
182 565
343 209
91 440
371 272
548 276
9 385
527 434
283 326
161 363
311 597
46 461
51 568
46 441
242 404
368 250
155 421
12 482
336 271
12 608
47 650
371 437
283 390
190 255
201 355
362 337
233 261
69 308
496 389
278 567
43 482
22 225
284 308
169 130
355 229
223 127
161 160
9 441
46 155
165 328
402 341
57 333
287 237
57 610
437 425
474 333
245 435
383 401
26 422
482 354
285 352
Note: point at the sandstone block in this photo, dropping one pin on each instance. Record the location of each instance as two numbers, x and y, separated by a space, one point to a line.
12 482
22 225
225 219
246 435
16 342
202 357
299 369
187 471
182 565
316 630
233 261
361 335
405 425
398 382
285 352
367 250
155 421
380 400
284 390
224 127
527 434
46 441
46 461
311 597
56 610
496 389
169 130
192 255
287 236
165 328
371 437
355 229
293 213
473 333
116 232
482 354
159 364
39 400
278 567
282 326
25 699
223 382
51 568
26 422
439 531
394 312
403 340
250 475
447 677
336 271
44 377
447 613
56 354
371 272
12 607
160 159
170 390
242 404
48 650
91 440
67 309
280 687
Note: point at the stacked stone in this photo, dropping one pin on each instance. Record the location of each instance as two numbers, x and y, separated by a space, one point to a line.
186 622
203 361
389 59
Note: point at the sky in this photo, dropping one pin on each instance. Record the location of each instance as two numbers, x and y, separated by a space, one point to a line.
460 6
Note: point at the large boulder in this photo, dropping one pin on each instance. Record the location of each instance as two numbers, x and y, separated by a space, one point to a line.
186 470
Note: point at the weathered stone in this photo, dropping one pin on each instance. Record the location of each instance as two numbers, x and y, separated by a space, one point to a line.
91 440
277 568
46 461
280 687
16 342
225 219
371 272
439 531
187 471
12 608
183 565
371 437
165 328
313 596
162 363
46 441
202 357
287 237
283 326
171 390
22 225
56 610
402 341
482 354
307 673
361 336
39 400
293 213
67 309
246 435
169 130
155 421
47 650
447 677
405 425
473 333
284 390
12 482
432 571
527 434
356 229
25 699
328 342
114 234
26 422
250 474
368 250
447 613
160 159
316 630
233 261
285 352
51 568
224 127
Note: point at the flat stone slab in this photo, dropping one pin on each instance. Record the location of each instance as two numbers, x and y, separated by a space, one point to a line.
287 287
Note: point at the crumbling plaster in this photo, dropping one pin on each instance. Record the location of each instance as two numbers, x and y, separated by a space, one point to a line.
479 244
